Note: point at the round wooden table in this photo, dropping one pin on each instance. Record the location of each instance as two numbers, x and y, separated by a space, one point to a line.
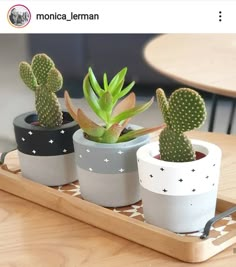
203 61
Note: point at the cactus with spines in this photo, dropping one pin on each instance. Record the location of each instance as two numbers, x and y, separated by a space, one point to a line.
45 80
185 110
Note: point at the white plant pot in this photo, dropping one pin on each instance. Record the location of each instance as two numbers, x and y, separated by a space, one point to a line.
180 197
108 173
46 155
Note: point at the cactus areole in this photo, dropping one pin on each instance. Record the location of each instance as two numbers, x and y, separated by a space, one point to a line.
185 110
45 80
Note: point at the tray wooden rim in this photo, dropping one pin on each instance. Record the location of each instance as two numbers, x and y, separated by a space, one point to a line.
188 249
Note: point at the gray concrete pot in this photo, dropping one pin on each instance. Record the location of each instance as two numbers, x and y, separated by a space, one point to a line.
46 155
180 197
108 174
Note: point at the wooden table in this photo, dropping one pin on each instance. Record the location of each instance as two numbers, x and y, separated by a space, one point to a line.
203 61
32 235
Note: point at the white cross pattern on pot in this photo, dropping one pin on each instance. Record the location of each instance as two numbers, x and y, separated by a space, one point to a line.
51 141
121 170
62 131
64 150
106 160
90 169
23 139
87 150
120 152
34 151
30 133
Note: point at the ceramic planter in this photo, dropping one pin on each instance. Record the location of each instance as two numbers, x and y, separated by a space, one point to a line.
180 197
46 155
108 173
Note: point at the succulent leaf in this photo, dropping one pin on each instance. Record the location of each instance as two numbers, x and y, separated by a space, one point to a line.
112 134
89 127
127 103
105 82
175 146
69 105
105 102
92 99
116 81
136 133
94 83
117 90
27 75
132 112
187 110
126 90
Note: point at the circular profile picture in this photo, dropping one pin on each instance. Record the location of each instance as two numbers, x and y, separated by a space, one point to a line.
19 16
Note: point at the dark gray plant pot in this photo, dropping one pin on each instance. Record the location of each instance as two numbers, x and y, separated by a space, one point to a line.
46 155
180 197
108 173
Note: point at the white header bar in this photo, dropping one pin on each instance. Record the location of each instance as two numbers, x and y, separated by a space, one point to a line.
130 16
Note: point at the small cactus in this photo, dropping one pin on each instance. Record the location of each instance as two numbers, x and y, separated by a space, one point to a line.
113 113
185 110
44 79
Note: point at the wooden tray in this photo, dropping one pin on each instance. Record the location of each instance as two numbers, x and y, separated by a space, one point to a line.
125 222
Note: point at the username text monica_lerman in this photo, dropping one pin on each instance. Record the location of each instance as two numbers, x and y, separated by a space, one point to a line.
68 17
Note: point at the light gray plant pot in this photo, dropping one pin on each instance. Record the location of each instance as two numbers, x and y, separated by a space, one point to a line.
180 197
46 155
108 173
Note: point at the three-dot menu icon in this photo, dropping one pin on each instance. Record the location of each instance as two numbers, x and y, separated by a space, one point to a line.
220 16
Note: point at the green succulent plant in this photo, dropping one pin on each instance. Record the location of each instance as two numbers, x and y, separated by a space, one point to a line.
184 110
114 114
44 79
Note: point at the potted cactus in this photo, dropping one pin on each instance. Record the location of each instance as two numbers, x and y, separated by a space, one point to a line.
178 176
44 137
106 152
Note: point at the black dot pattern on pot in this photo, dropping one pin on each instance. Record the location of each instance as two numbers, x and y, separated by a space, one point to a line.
182 182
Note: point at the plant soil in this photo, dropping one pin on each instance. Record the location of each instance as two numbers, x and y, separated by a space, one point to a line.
199 155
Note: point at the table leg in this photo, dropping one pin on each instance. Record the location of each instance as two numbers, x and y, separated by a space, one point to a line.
231 117
213 113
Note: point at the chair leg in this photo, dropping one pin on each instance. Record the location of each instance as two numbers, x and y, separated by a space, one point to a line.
213 112
231 117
